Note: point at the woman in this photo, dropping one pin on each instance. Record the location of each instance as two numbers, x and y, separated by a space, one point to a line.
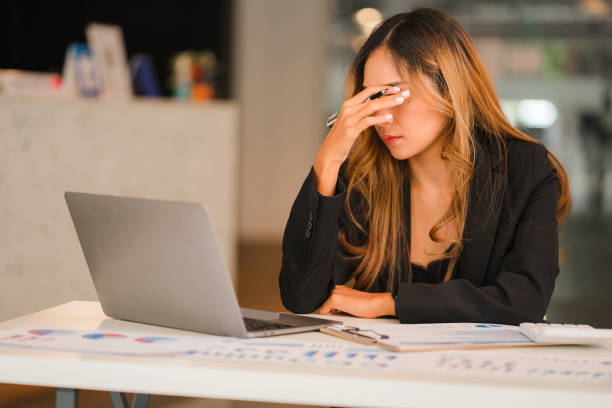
426 197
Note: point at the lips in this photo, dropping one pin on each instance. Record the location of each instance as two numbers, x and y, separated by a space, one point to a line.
389 139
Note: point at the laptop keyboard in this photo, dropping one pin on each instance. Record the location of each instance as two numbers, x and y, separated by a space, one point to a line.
258 325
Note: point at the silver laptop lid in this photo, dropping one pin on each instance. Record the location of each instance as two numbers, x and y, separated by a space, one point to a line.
156 262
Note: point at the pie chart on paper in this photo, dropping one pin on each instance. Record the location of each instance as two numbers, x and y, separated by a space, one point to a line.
153 339
44 332
105 336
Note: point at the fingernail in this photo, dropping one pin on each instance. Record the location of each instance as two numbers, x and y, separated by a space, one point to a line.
406 93
399 99
396 88
389 116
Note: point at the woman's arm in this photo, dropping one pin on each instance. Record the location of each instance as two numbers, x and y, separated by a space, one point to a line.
312 263
358 303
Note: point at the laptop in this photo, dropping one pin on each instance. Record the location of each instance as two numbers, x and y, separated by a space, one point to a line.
159 262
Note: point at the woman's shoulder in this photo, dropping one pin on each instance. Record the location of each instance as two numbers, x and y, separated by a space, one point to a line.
527 160
521 149
512 153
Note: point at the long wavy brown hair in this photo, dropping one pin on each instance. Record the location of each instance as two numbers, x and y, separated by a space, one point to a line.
438 54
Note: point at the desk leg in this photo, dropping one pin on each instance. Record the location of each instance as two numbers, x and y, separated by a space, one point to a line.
66 398
140 401
120 400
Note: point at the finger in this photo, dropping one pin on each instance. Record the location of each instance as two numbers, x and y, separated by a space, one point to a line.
347 289
387 101
325 311
358 119
372 121
366 93
355 113
352 113
339 290
327 307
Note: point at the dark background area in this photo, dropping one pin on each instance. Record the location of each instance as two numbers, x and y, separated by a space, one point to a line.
34 36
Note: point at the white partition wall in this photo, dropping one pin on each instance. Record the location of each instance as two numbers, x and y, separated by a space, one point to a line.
149 149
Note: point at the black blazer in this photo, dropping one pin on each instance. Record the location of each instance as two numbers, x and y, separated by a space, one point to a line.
507 269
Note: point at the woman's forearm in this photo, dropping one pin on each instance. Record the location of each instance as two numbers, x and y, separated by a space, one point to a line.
359 303
326 176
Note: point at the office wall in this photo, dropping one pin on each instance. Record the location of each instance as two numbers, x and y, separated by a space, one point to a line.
279 48
150 149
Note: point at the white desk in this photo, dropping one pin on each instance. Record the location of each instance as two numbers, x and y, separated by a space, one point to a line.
273 383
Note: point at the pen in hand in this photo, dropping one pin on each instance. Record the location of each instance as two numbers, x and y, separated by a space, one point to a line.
332 119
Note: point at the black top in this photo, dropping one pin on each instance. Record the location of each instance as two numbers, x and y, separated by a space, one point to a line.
434 273
506 271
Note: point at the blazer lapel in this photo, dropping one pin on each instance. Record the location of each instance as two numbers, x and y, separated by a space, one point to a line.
484 208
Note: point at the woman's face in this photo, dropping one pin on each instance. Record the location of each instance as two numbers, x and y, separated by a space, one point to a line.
415 127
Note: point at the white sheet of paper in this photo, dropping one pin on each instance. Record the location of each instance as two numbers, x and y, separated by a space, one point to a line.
342 356
429 335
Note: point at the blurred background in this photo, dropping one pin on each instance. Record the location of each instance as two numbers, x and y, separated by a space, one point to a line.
223 103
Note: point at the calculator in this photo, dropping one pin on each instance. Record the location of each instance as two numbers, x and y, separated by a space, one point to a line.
565 333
